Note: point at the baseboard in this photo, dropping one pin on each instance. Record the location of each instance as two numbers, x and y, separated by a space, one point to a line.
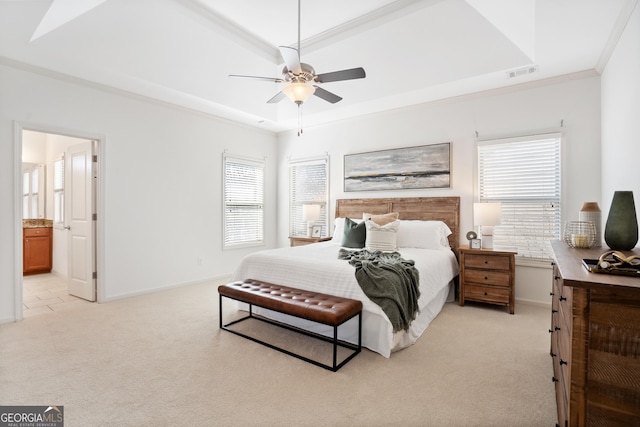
7 320
221 278
533 303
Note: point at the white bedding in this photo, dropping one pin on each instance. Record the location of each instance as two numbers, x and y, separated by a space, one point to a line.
316 267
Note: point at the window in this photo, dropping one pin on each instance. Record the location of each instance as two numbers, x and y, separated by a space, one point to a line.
243 190
308 184
524 175
32 187
58 191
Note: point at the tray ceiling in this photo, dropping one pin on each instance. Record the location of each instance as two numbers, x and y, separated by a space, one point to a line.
414 51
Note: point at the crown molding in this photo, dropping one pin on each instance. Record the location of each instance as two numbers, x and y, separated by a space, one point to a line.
616 33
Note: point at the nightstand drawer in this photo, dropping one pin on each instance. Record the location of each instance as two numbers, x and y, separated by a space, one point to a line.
487 294
487 277
493 262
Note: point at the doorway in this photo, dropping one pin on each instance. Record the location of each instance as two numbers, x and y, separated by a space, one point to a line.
72 215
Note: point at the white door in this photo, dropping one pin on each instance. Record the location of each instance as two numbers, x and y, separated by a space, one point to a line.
79 192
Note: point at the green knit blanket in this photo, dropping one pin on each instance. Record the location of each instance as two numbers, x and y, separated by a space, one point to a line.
389 281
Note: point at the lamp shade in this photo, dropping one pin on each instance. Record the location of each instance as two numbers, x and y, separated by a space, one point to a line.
486 213
298 92
310 213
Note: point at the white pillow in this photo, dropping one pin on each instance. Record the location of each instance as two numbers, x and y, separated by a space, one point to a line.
381 237
338 229
423 234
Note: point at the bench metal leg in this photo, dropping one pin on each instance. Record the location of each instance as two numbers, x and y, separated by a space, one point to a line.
335 341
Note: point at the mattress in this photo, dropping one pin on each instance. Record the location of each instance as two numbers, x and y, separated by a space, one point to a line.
317 268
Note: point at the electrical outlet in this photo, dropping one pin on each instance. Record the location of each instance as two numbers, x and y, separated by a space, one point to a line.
199 260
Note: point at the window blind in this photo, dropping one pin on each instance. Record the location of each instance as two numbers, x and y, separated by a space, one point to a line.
243 201
308 184
524 175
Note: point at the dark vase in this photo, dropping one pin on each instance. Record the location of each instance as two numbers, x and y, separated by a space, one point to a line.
621 230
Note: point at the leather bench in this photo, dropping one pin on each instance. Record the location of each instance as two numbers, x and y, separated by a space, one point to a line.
314 306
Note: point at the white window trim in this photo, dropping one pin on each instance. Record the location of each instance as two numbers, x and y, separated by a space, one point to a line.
55 191
324 203
507 138
247 160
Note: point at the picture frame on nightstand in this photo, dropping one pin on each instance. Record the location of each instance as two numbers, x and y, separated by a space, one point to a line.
316 231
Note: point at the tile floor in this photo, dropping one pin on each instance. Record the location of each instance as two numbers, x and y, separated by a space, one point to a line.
46 293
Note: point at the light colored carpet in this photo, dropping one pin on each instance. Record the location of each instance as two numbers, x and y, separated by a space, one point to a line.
160 360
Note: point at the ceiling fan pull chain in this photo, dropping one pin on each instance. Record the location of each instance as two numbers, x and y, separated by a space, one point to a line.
299 119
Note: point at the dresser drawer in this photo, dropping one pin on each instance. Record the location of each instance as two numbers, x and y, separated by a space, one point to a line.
37 232
487 294
493 262
565 298
487 277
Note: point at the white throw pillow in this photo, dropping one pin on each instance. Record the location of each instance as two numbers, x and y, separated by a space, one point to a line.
381 237
338 230
423 234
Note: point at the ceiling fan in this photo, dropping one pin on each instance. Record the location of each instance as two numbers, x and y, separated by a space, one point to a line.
301 80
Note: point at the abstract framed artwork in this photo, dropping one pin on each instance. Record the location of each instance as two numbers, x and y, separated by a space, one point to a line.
424 166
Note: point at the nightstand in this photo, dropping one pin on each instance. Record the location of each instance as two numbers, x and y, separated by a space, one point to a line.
487 276
303 240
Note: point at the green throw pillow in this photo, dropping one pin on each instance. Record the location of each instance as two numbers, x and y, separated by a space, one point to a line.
354 234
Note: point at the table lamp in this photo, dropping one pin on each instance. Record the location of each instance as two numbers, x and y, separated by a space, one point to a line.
486 215
310 213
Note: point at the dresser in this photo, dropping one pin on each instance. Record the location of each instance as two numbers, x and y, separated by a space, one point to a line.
487 276
595 342
37 243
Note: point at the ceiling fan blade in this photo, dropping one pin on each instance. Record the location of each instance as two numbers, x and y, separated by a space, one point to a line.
326 95
353 73
269 79
277 98
291 59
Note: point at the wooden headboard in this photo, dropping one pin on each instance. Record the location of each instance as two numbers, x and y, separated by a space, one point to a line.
446 209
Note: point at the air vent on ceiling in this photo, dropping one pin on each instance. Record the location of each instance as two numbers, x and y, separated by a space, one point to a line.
522 71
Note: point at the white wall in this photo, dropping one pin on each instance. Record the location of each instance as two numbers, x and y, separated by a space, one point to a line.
621 117
162 182
32 144
576 101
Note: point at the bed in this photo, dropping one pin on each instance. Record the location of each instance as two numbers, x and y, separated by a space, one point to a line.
316 267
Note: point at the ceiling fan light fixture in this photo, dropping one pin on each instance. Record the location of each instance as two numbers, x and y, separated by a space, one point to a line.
298 92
